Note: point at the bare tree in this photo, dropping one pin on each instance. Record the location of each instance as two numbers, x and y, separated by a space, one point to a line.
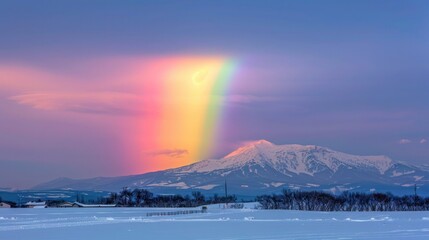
125 197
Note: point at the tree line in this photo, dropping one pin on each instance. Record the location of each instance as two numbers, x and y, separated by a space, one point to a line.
347 201
144 198
288 199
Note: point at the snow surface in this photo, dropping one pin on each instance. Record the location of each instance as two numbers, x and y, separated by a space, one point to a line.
217 223
397 174
179 185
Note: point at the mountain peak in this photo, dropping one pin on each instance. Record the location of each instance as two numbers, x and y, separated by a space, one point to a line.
261 142
249 146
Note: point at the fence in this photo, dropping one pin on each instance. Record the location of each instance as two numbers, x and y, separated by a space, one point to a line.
175 213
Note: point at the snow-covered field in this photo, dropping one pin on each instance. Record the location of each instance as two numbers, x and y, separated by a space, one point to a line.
233 224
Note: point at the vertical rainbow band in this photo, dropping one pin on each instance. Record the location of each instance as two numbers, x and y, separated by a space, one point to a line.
213 117
185 103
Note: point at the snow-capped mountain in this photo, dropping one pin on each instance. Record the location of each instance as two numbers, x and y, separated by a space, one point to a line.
263 167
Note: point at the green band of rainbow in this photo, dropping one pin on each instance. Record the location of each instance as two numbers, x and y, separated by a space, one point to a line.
213 116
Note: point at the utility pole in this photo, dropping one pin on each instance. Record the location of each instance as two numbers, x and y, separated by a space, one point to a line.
226 190
415 197
226 194
19 200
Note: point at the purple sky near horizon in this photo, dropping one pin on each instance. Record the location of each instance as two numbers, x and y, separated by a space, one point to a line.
349 75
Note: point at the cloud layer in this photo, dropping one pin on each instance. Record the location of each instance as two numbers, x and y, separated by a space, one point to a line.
173 153
404 141
89 102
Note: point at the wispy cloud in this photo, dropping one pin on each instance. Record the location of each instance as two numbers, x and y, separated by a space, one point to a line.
89 102
174 153
17 78
423 140
404 141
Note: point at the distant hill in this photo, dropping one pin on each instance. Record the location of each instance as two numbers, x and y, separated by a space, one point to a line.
23 196
263 167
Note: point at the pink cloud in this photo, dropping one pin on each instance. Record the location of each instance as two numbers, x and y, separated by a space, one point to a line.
174 153
50 91
423 140
89 102
17 78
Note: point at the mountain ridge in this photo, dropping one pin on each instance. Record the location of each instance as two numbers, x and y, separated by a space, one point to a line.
263 167
265 151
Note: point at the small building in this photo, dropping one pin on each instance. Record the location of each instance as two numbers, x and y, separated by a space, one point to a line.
35 205
4 205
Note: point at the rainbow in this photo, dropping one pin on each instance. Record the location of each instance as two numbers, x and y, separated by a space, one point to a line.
183 107
213 116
